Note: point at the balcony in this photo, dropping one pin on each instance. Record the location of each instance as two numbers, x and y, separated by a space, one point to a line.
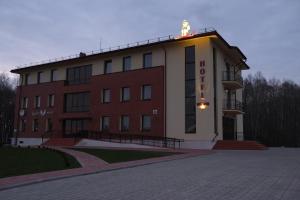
232 80
232 107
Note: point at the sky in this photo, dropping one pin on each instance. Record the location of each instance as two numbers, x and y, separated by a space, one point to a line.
267 31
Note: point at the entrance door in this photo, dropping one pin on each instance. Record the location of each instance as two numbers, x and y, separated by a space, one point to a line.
228 128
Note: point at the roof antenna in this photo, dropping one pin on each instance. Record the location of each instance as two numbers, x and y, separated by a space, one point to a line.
100 44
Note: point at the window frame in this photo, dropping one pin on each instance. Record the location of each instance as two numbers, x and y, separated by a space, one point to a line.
143 92
122 94
103 99
127 68
105 70
102 128
144 60
122 129
143 129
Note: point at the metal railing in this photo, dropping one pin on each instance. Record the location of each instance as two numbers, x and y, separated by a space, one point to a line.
129 138
232 104
109 49
232 76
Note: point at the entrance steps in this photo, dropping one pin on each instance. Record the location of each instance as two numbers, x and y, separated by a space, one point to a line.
238 145
61 142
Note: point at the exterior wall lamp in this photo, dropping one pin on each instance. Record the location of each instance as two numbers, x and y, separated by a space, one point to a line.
202 105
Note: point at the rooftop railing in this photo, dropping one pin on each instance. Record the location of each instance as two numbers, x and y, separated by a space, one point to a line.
115 48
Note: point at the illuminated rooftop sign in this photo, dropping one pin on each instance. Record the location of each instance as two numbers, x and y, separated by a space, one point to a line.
185 29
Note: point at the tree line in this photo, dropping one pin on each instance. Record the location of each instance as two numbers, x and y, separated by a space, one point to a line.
7 105
272 110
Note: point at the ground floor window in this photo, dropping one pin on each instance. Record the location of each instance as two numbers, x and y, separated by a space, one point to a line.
73 126
105 123
22 125
35 125
49 125
146 123
124 123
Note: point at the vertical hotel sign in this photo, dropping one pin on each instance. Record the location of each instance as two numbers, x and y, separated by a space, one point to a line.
202 104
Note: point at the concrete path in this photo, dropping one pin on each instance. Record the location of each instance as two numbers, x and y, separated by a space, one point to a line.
92 164
238 175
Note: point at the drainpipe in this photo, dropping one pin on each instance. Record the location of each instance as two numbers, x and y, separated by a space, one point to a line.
165 91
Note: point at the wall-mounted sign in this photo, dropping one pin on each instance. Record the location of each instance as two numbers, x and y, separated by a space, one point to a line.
203 103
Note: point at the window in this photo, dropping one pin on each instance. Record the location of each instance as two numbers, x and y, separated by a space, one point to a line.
147 60
105 123
22 127
190 89
54 75
24 103
146 123
26 79
77 102
50 100
125 94
74 126
146 92
106 96
39 75
49 125
79 75
37 102
126 63
124 123
35 125
107 66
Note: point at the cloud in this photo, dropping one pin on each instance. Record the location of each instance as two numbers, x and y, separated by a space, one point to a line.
267 31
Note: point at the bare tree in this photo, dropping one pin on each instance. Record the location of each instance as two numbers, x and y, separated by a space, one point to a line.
7 103
272 111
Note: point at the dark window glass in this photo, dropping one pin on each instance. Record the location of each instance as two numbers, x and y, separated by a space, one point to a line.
125 123
49 125
126 63
146 123
39 77
26 79
51 100
79 75
190 54
77 102
22 127
24 103
190 71
106 96
147 60
35 125
105 123
190 90
125 94
74 126
53 75
190 105
190 123
37 102
107 66
146 92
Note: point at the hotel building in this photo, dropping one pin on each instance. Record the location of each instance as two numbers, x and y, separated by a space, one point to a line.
188 87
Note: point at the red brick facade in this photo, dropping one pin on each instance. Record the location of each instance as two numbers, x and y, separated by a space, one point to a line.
134 108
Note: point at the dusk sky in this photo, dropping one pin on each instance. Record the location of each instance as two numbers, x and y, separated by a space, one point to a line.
267 31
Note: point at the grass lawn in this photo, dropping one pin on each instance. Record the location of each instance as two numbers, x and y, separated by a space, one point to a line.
20 161
113 156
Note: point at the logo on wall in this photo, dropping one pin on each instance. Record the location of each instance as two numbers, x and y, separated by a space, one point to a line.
203 103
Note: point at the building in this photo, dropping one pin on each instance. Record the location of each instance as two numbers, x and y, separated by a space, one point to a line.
187 87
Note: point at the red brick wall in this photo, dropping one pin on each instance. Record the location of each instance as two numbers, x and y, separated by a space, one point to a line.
115 81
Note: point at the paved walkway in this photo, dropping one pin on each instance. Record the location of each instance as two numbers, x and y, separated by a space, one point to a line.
236 175
92 164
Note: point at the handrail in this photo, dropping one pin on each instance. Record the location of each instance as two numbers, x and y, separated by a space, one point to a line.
109 49
129 138
232 76
232 104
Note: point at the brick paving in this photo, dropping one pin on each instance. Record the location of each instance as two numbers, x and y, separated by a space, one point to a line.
238 175
92 164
